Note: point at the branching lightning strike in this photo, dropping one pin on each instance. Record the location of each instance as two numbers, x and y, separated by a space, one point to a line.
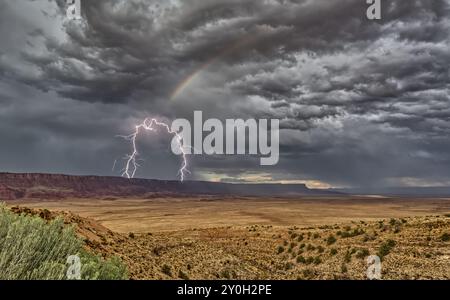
131 165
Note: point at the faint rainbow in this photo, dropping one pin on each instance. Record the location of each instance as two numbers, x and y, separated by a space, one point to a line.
234 47
186 81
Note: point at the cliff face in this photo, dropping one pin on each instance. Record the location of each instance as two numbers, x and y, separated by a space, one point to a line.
53 186
8 193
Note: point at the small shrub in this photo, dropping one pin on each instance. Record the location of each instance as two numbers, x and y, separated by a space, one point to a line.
333 251
331 240
320 249
288 266
316 236
317 260
94 267
386 248
445 237
183 275
225 274
166 269
309 260
280 249
301 259
344 268
363 253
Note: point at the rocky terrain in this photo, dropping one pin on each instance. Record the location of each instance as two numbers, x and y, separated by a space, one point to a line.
410 248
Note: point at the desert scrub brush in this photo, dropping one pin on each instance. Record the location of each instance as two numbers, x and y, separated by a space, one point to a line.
33 249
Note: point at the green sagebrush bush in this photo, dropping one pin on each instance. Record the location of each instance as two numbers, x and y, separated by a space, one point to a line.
33 249
95 268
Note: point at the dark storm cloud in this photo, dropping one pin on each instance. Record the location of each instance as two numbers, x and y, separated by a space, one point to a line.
360 102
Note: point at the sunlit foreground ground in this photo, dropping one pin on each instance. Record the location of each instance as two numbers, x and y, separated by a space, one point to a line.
248 238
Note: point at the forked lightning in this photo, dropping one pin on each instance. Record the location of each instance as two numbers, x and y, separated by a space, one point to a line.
131 165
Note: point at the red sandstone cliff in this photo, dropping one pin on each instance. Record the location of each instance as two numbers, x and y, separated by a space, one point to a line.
54 186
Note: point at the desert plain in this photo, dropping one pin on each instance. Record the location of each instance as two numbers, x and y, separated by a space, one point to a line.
214 237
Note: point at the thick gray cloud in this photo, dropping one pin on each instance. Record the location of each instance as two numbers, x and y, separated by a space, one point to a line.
361 103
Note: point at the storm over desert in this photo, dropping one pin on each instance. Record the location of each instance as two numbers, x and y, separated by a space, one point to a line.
360 102
224 140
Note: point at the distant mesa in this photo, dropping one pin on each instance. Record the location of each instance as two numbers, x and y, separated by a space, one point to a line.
14 186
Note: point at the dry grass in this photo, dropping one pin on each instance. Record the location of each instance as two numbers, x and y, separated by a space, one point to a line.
416 252
273 238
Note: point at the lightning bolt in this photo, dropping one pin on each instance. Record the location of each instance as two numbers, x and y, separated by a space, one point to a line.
131 165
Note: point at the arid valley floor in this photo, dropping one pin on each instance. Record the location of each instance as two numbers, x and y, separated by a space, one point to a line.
257 238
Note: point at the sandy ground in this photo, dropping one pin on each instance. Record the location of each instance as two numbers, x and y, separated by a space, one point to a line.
248 238
171 214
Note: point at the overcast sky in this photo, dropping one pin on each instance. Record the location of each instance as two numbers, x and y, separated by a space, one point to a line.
361 103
